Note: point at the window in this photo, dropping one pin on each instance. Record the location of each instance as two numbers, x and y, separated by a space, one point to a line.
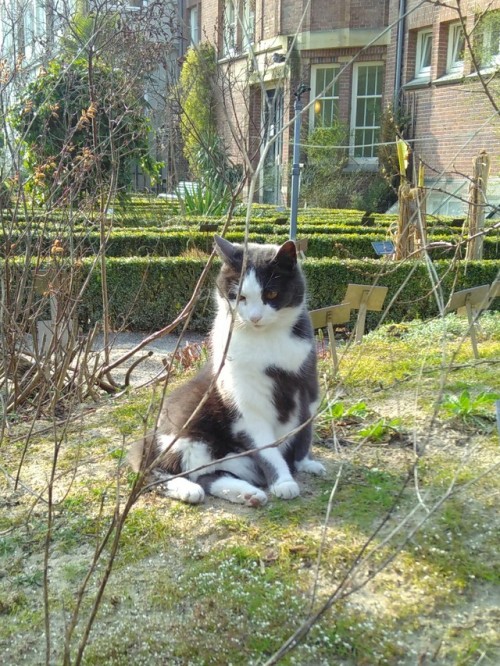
238 26
33 28
7 30
325 85
193 16
423 54
490 52
366 110
127 5
247 24
456 47
229 29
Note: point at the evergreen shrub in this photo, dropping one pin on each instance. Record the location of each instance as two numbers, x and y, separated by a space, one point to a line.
147 293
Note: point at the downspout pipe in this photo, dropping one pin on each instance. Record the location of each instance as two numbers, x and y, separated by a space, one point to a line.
398 70
294 204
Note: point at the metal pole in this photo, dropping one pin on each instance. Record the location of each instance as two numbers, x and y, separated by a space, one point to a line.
297 107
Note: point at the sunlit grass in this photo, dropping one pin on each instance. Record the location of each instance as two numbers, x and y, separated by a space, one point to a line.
219 584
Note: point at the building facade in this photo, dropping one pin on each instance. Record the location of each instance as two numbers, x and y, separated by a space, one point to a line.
434 63
446 58
266 50
358 58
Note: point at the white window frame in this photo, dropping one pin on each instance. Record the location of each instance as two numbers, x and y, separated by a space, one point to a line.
34 27
230 26
332 94
247 24
424 42
491 42
7 30
194 24
455 63
129 6
372 160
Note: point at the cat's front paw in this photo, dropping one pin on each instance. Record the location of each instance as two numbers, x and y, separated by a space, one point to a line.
194 495
285 489
310 467
182 490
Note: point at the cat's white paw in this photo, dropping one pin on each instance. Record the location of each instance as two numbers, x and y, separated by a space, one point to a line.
310 466
255 498
194 495
286 489
183 490
237 491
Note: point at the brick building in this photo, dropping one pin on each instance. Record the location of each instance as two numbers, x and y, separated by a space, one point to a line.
451 117
356 57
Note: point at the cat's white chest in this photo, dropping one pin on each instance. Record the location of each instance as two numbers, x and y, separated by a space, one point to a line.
243 378
254 350
251 350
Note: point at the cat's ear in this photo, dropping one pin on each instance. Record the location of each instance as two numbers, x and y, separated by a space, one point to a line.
286 256
227 251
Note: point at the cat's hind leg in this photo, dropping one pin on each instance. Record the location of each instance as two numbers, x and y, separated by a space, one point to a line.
310 466
232 489
301 450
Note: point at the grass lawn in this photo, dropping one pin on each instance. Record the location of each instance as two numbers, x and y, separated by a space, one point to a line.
395 550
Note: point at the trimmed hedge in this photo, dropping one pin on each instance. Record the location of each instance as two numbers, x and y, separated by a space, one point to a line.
175 242
147 293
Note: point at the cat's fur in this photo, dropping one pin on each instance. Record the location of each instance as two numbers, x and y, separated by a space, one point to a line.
265 388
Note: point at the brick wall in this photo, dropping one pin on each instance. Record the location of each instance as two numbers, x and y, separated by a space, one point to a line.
453 119
329 15
368 13
452 124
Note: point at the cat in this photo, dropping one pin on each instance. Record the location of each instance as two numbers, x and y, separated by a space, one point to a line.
260 385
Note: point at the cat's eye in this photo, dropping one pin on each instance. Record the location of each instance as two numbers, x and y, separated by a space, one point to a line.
270 295
242 298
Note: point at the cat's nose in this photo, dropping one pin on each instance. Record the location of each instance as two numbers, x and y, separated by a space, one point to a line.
255 318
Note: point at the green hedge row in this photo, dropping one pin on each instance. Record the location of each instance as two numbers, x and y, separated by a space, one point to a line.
352 245
145 294
175 242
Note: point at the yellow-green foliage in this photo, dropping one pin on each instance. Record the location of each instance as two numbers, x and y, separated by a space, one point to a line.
197 101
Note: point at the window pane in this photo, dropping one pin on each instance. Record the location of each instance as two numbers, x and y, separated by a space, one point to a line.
320 81
456 45
328 74
360 113
496 40
327 112
367 111
359 141
426 51
378 86
362 80
459 44
372 140
372 81
326 107
372 112
248 23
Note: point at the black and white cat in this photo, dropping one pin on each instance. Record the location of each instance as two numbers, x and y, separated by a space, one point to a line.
262 374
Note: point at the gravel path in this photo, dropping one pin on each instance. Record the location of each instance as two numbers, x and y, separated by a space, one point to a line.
150 367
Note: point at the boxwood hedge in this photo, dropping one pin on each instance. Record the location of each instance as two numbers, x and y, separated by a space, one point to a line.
146 293
177 241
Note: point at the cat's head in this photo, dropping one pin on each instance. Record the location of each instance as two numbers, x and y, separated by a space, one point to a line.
269 281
